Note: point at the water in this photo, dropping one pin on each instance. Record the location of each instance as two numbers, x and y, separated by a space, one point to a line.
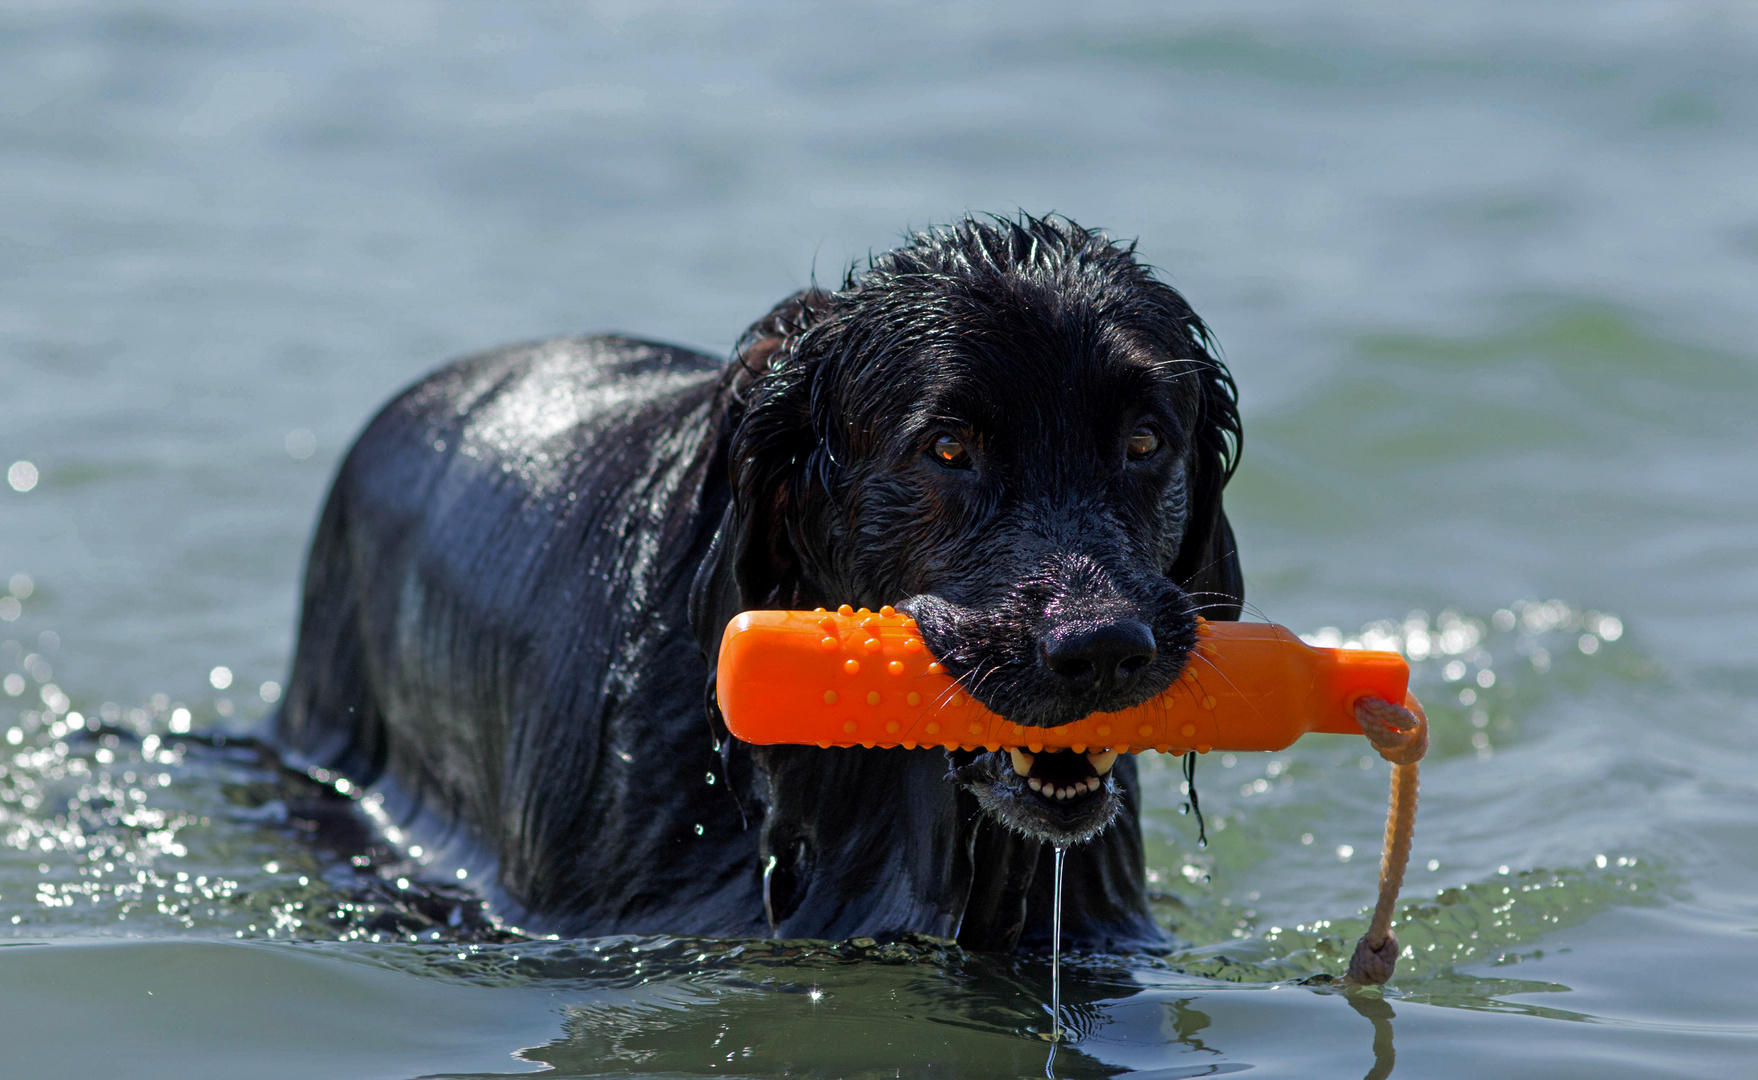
1056 1031
1485 275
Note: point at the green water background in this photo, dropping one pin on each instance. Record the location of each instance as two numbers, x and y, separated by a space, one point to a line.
1485 275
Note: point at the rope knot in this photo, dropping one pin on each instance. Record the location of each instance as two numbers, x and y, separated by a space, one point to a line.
1372 966
1398 732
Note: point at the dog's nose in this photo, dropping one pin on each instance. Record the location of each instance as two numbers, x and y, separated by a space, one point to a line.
1110 655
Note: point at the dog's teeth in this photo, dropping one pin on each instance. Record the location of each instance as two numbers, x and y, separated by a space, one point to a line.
1022 761
1035 784
1102 760
1065 793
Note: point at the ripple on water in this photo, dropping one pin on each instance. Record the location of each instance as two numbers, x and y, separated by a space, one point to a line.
117 823
1279 892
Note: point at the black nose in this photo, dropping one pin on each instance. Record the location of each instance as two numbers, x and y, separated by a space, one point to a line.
1109 655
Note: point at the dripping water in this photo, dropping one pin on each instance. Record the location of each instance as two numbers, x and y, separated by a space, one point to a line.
1056 959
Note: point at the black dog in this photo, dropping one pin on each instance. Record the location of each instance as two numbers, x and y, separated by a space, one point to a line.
1007 428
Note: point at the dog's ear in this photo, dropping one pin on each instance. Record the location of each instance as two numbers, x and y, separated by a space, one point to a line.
765 440
1207 563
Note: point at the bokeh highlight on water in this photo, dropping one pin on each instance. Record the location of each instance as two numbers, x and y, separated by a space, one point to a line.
1483 274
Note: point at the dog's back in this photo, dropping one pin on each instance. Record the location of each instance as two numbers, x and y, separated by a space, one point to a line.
493 635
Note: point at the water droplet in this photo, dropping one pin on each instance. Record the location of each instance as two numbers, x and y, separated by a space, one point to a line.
300 444
22 476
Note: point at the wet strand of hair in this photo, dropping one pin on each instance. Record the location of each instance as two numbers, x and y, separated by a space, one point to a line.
1194 806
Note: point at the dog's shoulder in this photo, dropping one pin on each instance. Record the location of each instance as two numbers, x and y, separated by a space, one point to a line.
544 387
530 420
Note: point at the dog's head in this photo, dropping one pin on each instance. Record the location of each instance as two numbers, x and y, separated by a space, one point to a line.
1012 431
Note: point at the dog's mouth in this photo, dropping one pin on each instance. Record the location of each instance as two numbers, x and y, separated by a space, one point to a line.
1063 777
1057 796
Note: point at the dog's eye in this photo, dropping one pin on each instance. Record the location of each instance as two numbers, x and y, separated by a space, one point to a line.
949 451
1142 444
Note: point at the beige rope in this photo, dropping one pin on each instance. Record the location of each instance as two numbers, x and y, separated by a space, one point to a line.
1400 734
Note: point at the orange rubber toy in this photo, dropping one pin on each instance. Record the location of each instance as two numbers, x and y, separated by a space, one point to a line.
860 678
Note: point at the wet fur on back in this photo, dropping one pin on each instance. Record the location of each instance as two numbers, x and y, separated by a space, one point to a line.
528 558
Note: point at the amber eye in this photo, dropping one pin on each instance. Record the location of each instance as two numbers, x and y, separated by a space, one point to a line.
948 450
1142 444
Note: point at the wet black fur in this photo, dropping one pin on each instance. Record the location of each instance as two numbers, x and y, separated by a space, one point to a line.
528 558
